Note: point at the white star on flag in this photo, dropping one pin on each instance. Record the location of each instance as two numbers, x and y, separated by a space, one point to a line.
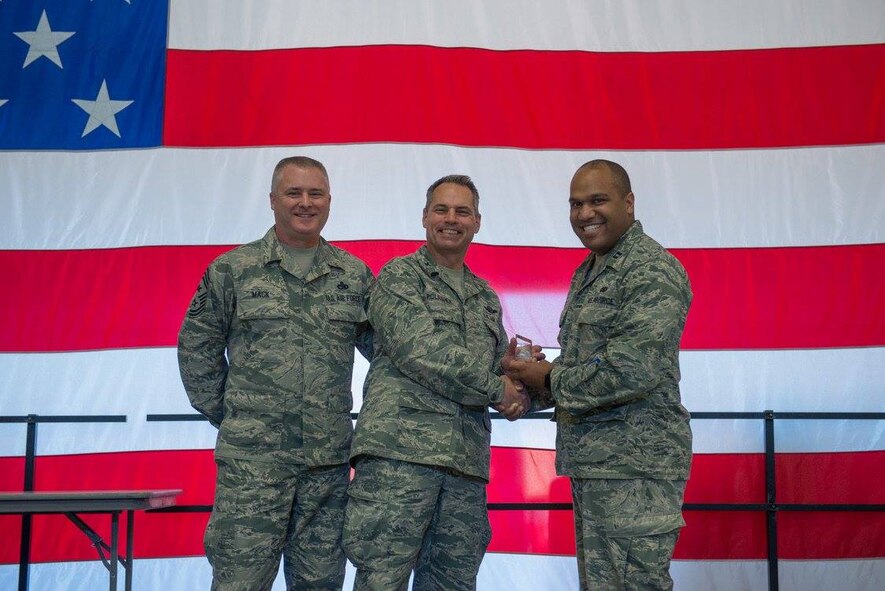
43 42
102 110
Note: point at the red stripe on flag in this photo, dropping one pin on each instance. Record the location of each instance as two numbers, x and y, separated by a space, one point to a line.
718 535
528 475
518 476
753 298
785 298
578 100
524 475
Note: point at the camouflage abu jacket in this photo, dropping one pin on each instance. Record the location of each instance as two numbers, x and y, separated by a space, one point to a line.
283 389
435 369
616 382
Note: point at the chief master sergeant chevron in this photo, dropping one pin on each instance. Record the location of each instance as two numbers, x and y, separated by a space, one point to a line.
421 449
266 354
623 436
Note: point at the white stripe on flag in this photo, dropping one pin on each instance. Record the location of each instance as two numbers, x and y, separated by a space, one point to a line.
591 25
730 198
523 572
138 382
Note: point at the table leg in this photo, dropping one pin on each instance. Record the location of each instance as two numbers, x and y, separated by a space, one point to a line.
130 555
115 535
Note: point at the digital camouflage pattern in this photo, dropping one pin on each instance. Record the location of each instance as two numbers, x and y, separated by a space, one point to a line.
625 532
616 381
403 515
268 357
255 521
283 390
421 447
435 371
622 433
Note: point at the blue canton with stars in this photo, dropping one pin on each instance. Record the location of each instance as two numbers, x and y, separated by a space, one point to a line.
81 74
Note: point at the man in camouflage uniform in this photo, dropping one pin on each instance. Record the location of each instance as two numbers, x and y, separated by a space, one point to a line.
622 433
421 447
266 354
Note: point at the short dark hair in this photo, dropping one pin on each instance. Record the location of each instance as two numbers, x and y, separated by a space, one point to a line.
456 179
300 162
621 178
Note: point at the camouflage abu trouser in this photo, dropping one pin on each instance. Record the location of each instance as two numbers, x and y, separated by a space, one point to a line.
402 516
264 510
625 531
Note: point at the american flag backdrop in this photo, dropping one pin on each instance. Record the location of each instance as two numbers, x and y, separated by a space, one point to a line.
138 139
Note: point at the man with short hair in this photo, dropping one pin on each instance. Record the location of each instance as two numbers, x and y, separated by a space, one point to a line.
623 436
421 447
266 354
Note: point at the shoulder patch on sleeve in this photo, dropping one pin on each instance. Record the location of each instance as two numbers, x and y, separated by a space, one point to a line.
198 304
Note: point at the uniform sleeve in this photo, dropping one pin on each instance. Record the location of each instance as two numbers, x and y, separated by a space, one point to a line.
501 348
365 337
541 399
407 331
500 352
202 342
636 356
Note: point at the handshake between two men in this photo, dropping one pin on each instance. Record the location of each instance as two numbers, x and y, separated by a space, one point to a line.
525 378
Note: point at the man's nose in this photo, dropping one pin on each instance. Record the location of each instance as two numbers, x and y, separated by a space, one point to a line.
585 212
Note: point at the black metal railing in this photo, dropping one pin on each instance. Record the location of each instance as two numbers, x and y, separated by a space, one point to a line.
771 507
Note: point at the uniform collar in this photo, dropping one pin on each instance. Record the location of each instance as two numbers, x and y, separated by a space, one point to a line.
615 257
324 262
472 284
622 247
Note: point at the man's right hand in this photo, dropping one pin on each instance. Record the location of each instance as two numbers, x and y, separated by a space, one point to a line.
515 402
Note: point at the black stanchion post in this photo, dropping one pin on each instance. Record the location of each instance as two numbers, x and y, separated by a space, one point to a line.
771 501
24 554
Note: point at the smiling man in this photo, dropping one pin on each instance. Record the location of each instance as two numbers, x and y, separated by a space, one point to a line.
421 447
623 436
266 354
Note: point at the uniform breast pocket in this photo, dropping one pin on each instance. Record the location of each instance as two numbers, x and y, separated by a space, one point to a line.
254 309
264 316
595 325
344 320
445 318
263 331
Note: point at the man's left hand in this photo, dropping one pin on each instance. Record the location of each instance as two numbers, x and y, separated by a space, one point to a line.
530 373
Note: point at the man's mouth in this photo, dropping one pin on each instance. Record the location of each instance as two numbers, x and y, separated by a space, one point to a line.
591 228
